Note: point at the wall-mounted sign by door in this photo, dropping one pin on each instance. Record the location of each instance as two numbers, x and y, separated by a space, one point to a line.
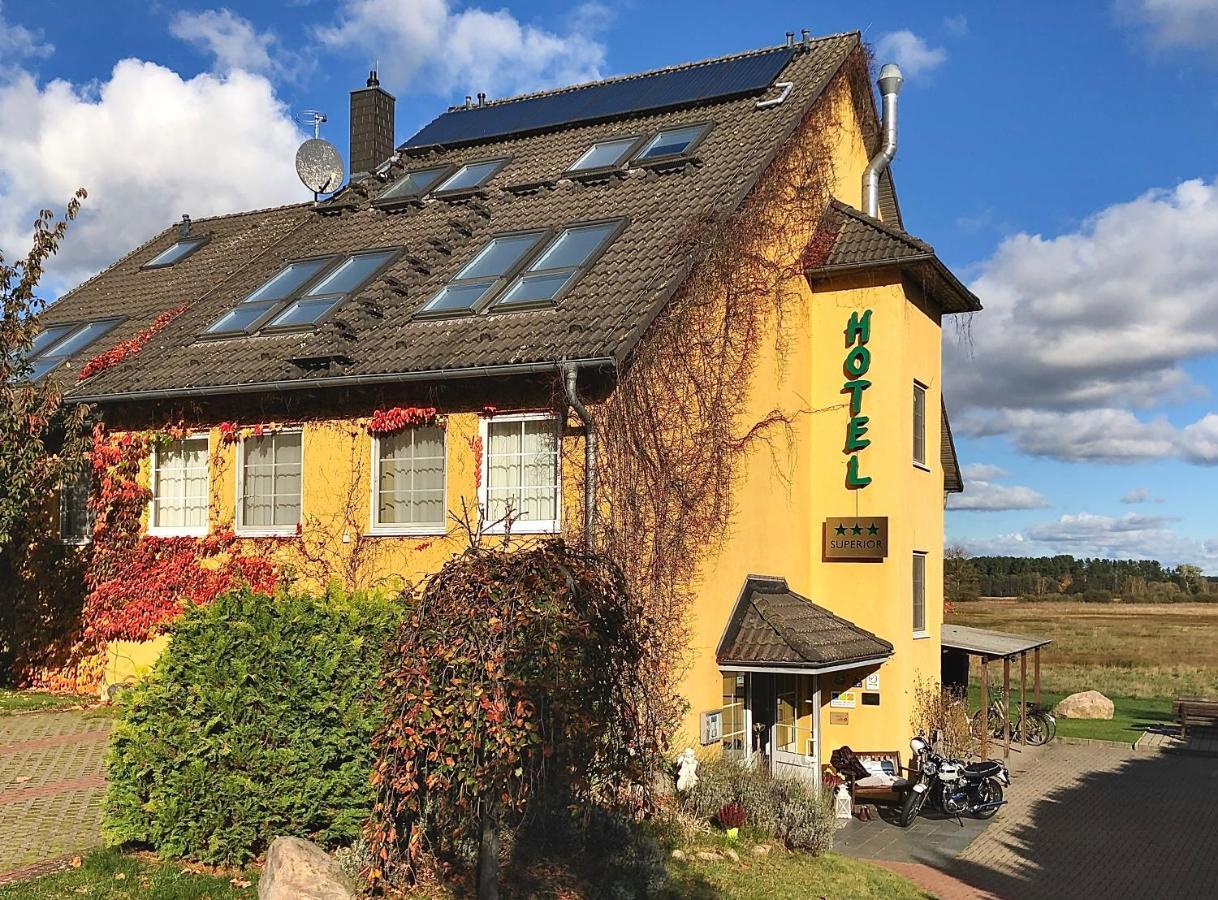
860 537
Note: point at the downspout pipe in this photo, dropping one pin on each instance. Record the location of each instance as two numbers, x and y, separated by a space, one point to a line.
571 383
890 82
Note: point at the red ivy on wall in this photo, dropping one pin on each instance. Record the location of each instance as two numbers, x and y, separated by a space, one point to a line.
138 584
399 418
109 358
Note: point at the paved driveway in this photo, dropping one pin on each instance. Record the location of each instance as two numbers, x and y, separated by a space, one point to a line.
1083 822
51 784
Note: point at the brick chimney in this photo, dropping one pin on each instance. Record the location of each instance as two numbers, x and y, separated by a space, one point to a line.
371 126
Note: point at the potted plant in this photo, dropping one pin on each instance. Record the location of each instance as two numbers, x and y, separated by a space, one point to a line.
731 816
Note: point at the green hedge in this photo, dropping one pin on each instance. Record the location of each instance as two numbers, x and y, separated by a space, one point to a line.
256 722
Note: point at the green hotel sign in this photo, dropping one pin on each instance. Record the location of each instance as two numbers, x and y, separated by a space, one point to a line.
856 366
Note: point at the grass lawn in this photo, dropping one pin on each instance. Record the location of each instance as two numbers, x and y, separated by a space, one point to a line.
1129 717
1144 651
111 875
12 701
788 876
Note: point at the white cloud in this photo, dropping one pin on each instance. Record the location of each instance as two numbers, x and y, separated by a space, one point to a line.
18 42
431 45
1131 536
1083 329
1199 441
983 471
148 145
1174 23
231 39
1139 495
910 52
983 493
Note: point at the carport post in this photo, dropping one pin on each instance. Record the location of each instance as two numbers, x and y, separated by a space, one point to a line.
1006 707
1036 676
1023 698
985 708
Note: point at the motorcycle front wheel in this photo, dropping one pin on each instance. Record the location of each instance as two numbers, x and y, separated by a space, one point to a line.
989 791
911 807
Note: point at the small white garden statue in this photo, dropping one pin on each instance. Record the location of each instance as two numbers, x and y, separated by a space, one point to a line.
687 770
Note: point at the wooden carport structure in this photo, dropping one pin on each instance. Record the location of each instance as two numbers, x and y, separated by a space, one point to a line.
988 646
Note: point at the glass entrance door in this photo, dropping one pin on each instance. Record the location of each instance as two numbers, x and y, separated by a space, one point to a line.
794 729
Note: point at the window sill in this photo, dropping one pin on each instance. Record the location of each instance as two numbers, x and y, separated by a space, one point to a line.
391 531
529 528
921 635
75 542
266 532
177 532
923 466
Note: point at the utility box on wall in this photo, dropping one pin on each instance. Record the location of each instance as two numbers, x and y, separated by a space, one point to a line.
712 727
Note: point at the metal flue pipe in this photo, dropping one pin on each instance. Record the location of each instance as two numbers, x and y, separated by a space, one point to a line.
571 382
890 82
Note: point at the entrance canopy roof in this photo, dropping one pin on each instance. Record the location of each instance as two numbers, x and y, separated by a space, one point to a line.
773 629
988 643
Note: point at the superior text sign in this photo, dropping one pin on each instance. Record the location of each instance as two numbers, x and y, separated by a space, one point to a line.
860 537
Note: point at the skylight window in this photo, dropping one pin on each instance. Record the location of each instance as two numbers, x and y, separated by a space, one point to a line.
560 265
319 300
498 259
175 252
471 176
251 311
671 142
604 155
56 344
413 185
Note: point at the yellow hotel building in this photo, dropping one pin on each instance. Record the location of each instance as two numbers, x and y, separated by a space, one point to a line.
512 266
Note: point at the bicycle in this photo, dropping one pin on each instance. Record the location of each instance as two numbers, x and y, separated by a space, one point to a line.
1040 725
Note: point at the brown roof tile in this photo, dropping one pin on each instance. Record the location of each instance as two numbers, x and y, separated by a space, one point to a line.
771 625
601 318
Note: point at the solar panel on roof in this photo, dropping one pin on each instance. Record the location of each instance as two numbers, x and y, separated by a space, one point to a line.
647 93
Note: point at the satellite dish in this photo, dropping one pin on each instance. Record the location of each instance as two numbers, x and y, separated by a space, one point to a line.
319 166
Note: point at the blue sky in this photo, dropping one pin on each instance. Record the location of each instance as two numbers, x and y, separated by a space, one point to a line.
1059 156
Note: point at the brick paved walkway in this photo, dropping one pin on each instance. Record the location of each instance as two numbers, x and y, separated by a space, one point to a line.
1102 822
51 784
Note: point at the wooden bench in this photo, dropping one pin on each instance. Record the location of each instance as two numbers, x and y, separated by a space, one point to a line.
1195 711
852 779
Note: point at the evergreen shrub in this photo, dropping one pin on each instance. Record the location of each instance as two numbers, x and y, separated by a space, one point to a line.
256 722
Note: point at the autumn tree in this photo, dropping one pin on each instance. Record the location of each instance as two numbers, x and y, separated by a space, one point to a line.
40 439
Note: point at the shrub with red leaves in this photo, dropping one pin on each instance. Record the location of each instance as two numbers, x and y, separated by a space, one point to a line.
108 359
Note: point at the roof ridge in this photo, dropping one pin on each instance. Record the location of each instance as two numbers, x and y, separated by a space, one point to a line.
899 234
647 73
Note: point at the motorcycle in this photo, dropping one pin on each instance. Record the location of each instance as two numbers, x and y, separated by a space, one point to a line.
952 786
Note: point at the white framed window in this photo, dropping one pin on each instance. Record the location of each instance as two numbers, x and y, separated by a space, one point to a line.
408 481
735 716
269 484
919 593
919 424
520 473
179 485
75 517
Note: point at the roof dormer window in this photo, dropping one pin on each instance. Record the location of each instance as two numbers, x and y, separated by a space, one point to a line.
414 185
482 276
471 176
560 265
608 154
301 293
175 253
671 142
56 344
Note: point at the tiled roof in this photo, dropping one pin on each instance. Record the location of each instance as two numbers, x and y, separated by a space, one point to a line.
848 240
140 295
376 335
773 626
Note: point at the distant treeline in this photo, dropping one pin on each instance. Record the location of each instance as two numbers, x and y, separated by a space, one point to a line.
1052 577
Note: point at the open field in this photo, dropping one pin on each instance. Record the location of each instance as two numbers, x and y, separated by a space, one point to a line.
1140 651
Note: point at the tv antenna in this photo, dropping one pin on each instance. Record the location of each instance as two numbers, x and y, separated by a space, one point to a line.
318 162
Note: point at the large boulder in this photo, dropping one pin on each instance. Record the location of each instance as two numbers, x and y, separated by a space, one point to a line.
1085 705
297 869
